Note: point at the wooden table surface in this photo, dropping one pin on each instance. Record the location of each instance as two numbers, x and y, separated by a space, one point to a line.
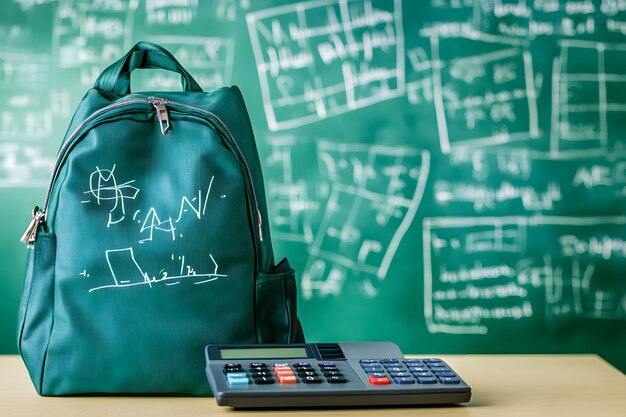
502 386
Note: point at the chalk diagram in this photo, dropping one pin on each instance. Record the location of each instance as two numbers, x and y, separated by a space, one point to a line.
126 272
587 105
480 270
103 186
355 59
375 192
469 115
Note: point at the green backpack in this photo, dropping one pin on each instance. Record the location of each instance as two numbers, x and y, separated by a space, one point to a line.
153 241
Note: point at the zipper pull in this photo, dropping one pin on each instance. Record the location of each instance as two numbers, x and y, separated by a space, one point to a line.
162 115
258 213
30 234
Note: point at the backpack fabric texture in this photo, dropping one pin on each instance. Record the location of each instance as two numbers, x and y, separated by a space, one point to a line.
153 242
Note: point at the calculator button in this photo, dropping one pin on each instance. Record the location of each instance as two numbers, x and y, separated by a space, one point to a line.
257 365
236 375
367 361
287 379
261 373
394 369
284 373
336 379
412 362
238 381
449 380
302 365
328 364
400 374
422 374
228 369
445 374
331 373
442 372
437 366
418 369
377 374
312 380
383 380
281 365
431 360
257 369
427 380
306 373
404 380
388 361
372 369
263 380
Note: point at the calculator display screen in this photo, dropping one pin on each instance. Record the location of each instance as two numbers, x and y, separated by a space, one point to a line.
264 353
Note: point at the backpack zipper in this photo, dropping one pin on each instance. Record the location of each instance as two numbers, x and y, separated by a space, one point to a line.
39 216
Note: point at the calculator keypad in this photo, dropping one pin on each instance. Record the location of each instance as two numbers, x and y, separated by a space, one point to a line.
379 372
408 371
283 373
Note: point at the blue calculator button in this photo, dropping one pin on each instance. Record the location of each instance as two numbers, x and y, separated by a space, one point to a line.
404 380
418 369
429 360
394 368
412 362
376 374
422 374
437 365
328 364
364 361
445 374
370 369
450 380
441 370
427 380
238 381
388 361
400 374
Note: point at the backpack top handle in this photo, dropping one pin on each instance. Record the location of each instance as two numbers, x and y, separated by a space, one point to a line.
116 78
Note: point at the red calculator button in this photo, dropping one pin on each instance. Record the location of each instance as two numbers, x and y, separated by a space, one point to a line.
287 379
286 372
379 380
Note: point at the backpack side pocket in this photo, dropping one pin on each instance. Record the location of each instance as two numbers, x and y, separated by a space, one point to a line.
276 306
37 306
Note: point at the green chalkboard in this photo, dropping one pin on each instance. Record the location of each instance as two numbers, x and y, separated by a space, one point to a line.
449 175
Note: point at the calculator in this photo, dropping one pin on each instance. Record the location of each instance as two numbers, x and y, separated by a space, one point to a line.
328 375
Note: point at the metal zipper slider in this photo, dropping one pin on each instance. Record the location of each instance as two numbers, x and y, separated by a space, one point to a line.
30 234
258 213
162 115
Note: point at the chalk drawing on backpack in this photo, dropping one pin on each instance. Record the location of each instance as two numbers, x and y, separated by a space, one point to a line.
104 187
126 271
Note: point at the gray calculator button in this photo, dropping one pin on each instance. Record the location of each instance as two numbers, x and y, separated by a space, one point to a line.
400 374
404 380
427 380
450 380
